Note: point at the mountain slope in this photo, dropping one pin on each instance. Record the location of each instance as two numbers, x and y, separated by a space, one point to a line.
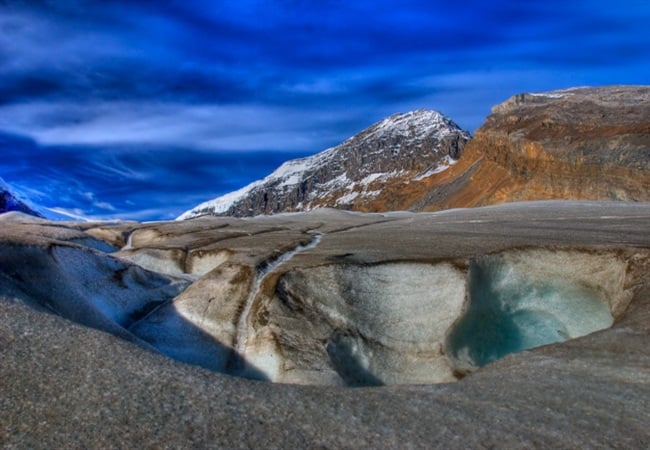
573 144
10 202
400 150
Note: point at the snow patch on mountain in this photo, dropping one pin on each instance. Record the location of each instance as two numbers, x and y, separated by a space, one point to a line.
340 182
11 201
417 143
287 175
347 198
444 165
548 94
223 203
415 125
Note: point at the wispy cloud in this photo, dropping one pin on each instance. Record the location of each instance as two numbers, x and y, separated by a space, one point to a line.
98 86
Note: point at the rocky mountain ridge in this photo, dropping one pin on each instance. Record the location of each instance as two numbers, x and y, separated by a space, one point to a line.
579 143
402 148
10 202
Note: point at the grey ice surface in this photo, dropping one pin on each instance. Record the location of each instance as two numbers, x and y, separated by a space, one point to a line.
63 385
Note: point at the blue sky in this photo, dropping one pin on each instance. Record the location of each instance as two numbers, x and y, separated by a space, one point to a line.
141 109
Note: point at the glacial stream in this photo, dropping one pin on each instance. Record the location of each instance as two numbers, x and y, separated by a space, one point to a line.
242 325
387 323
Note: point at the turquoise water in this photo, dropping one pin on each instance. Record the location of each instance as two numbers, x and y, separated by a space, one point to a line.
510 310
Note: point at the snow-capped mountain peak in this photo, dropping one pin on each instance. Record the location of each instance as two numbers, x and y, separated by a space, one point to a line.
403 147
414 125
9 201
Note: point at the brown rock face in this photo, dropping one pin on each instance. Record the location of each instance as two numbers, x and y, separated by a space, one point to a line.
585 143
575 144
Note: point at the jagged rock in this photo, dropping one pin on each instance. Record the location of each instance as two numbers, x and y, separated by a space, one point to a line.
341 298
400 149
582 144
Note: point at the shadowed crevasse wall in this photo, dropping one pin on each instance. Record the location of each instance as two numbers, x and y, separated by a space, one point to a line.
515 305
335 324
398 323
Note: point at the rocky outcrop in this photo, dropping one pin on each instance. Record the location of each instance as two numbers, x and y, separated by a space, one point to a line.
335 299
401 149
581 144
584 143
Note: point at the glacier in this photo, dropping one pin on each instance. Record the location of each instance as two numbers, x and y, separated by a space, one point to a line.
529 299
338 298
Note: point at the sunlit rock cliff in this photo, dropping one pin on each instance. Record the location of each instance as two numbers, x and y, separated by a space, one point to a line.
581 144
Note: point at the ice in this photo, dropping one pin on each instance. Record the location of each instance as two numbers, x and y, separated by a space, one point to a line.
176 334
413 125
96 244
405 304
548 94
202 262
341 181
371 178
262 362
292 180
129 242
86 286
198 326
383 324
120 291
220 204
167 261
351 358
288 174
175 261
371 194
524 300
242 340
382 177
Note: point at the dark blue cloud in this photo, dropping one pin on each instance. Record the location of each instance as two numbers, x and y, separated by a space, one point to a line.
117 94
